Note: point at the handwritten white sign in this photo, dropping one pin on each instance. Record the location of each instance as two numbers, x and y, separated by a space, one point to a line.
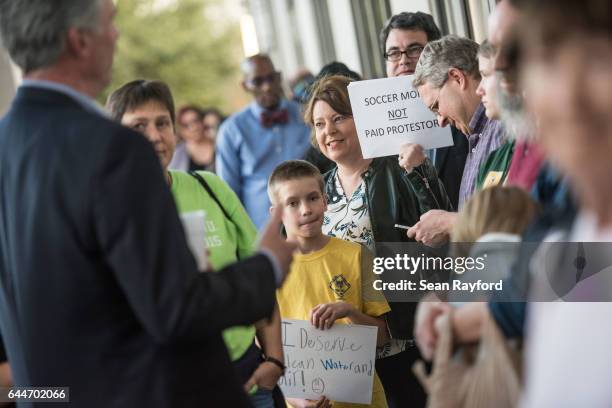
337 363
195 232
389 112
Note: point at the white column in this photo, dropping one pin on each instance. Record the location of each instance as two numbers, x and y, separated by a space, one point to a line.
479 10
397 6
345 37
265 27
284 37
308 35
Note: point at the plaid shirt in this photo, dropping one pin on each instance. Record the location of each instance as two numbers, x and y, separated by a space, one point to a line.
486 136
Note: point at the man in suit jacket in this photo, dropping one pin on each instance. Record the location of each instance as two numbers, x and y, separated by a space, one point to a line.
98 289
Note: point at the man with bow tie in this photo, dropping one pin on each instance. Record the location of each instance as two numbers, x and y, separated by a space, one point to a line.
254 141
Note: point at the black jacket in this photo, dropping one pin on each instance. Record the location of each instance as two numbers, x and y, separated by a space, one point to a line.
98 289
2 352
396 197
450 162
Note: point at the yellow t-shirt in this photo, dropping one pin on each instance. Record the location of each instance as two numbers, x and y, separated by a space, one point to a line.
341 270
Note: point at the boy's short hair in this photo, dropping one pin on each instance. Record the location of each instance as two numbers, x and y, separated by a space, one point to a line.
292 170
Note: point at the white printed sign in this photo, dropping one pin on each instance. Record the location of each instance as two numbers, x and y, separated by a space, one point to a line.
389 112
195 232
337 363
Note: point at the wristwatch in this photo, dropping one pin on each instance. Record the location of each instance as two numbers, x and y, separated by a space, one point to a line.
276 362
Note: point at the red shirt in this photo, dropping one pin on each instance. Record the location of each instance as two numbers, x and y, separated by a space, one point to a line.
525 165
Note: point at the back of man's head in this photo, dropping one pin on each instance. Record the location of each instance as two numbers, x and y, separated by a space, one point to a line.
34 31
440 56
337 68
410 21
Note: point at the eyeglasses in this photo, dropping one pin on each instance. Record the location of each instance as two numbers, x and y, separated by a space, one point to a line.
259 81
435 106
395 55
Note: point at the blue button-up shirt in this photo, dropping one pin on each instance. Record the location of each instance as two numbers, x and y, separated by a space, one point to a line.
247 153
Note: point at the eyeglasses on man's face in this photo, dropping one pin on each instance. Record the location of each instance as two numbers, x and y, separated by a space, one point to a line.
435 106
259 81
395 54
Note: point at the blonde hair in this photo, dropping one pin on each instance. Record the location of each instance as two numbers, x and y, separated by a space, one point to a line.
292 170
494 209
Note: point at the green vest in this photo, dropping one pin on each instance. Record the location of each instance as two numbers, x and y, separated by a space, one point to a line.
224 238
495 169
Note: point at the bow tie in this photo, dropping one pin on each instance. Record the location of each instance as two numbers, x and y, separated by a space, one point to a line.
269 119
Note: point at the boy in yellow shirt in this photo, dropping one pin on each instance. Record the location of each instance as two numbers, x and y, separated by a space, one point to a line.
330 279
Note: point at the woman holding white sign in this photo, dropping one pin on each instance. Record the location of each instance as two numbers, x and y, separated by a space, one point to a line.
366 198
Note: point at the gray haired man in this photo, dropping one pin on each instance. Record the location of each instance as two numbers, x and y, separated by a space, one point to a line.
98 289
447 78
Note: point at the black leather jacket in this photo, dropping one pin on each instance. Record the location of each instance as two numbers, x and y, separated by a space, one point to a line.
396 197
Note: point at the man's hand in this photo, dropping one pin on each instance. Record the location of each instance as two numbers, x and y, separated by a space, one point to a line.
430 308
209 265
265 376
434 228
323 402
324 315
411 155
272 240
6 376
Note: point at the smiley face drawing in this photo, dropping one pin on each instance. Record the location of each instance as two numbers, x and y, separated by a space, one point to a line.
318 386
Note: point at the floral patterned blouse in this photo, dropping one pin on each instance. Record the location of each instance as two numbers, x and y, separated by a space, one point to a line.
349 219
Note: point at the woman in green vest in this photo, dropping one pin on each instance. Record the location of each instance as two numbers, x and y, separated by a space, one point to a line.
148 107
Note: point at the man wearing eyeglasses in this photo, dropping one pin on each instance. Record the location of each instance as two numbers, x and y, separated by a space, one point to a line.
447 78
402 41
254 141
